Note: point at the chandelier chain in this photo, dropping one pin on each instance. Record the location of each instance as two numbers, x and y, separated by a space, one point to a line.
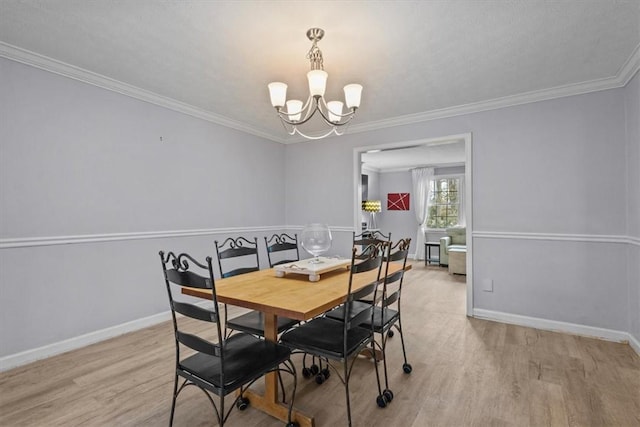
315 56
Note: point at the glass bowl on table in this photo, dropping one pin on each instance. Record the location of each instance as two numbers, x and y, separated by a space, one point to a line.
316 240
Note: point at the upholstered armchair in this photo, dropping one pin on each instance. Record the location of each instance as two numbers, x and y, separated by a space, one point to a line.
456 238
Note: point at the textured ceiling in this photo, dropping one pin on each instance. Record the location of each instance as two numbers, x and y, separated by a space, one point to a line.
411 57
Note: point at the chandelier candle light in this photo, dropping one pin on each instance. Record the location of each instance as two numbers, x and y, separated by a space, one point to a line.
331 112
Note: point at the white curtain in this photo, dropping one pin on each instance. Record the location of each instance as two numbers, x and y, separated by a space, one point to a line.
462 218
421 178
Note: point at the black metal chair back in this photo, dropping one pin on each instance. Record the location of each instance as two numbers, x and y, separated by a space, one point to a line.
369 237
370 258
279 243
341 340
398 252
235 248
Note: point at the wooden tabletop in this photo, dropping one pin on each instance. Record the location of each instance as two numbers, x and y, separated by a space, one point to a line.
292 296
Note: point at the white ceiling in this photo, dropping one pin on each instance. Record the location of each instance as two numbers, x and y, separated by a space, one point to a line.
416 59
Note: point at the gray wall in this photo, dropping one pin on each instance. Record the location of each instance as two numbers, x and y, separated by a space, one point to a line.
79 160
551 168
400 224
76 160
632 104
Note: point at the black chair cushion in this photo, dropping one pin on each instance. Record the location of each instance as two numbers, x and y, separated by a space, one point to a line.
245 357
253 323
380 322
357 307
323 336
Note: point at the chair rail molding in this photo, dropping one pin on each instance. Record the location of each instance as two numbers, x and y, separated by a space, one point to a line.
23 242
591 238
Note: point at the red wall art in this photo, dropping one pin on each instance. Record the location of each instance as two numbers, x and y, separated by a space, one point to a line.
398 201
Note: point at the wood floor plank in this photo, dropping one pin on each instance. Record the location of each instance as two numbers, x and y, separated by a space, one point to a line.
466 372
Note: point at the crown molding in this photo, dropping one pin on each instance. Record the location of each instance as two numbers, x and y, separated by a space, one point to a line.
504 102
629 68
369 169
622 77
71 71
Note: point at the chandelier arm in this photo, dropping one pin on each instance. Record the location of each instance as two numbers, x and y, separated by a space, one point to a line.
350 113
308 111
290 132
329 122
339 133
333 130
301 122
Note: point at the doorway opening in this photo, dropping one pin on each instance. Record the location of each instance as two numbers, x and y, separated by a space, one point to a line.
405 155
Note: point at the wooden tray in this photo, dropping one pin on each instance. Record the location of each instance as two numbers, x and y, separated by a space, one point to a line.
312 270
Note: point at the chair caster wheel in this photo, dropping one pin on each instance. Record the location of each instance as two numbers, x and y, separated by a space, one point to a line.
407 368
306 372
323 375
388 395
242 403
292 424
390 334
314 369
381 401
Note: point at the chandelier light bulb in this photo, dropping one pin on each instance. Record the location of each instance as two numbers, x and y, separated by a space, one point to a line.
335 110
317 82
352 95
278 93
294 110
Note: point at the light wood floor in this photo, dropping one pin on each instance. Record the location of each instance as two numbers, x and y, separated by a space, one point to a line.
465 372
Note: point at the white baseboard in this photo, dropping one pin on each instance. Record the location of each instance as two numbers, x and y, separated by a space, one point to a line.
555 326
28 356
634 343
22 358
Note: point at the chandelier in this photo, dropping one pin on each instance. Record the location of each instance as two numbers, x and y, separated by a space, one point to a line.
298 113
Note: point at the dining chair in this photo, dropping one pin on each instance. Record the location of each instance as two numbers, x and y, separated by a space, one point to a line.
219 366
342 341
283 245
385 317
232 253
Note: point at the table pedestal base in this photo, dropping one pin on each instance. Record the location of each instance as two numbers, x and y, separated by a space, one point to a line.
278 410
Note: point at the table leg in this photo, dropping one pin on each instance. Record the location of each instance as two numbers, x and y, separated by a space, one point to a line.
269 401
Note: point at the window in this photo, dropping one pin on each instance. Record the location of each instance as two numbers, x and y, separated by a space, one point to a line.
444 203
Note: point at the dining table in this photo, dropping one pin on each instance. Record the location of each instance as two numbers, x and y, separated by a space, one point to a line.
292 296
